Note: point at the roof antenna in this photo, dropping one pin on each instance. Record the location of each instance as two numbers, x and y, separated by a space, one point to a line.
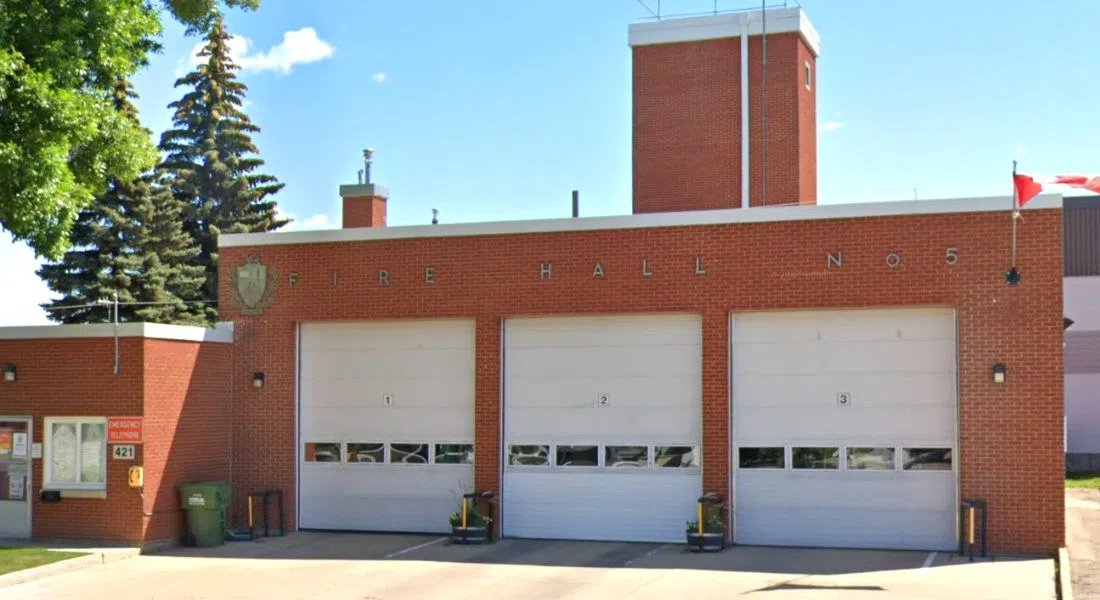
435 216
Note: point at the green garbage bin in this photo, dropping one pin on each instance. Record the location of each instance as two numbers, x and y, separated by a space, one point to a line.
206 506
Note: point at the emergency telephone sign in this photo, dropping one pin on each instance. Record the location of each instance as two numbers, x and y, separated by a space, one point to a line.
124 430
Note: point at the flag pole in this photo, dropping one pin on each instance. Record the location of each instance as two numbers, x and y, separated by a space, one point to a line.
1012 277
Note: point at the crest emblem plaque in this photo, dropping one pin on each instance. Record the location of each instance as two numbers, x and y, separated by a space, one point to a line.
253 285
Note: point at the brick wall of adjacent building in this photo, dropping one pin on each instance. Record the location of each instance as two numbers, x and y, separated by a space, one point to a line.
75 378
1011 435
687 124
187 427
179 388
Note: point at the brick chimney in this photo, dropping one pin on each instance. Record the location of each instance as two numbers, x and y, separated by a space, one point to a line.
365 202
699 128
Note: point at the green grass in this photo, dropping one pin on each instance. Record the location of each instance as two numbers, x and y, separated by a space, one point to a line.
1090 479
17 559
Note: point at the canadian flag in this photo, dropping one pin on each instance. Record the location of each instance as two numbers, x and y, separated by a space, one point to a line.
1027 187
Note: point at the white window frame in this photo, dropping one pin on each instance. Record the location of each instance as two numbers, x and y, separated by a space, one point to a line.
346 456
577 468
341 447
951 447
809 75
47 459
551 455
696 448
897 458
450 443
430 459
786 458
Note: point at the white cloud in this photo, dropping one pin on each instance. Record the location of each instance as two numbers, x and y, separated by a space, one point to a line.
317 221
24 291
1021 149
833 125
299 47
381 77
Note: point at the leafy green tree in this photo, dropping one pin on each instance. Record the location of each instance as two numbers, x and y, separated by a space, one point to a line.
127 244
214 165
60 137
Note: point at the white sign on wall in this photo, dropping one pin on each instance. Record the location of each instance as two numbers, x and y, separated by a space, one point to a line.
123 452
16 480
19 445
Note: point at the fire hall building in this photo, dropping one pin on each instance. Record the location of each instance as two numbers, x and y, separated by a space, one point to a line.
843 375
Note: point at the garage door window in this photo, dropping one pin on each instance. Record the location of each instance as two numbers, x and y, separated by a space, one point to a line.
529 455
676 456
815 458
626 456
871 459
322 452
761 458
454 454
926 459
369 452
578 456
409 454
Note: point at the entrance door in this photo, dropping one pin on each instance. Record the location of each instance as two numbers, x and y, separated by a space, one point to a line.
15 473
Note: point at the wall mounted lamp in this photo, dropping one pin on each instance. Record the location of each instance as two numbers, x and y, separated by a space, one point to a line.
9 372
258 379
999 373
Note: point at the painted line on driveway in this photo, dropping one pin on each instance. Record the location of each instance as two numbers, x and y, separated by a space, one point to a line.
416 547
646 555
928 562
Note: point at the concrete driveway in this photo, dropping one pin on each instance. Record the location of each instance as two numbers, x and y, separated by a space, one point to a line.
1083 541
394 567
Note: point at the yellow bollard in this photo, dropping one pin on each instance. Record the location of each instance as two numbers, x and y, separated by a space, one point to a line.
250 522
700 505
971 527
464 513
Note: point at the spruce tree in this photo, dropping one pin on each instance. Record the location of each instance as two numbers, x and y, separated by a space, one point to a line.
128 243
170 277
213 164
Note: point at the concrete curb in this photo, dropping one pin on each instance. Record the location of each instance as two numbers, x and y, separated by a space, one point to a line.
1065 580
63 566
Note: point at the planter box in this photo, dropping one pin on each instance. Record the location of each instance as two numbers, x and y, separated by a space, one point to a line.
708 542
469 535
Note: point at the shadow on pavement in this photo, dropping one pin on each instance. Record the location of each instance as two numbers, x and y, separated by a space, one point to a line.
315 545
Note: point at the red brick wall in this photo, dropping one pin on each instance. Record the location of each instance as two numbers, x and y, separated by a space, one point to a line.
787 98
264 420
807 129
187 426
71 378
687 124
1011 451
368 211
487 407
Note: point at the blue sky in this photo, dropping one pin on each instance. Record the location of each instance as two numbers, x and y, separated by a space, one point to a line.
496 109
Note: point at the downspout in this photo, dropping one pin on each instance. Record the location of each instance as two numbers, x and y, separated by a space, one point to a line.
744 111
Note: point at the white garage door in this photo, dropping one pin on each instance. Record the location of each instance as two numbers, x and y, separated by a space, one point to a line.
844 427
387 424
602 427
